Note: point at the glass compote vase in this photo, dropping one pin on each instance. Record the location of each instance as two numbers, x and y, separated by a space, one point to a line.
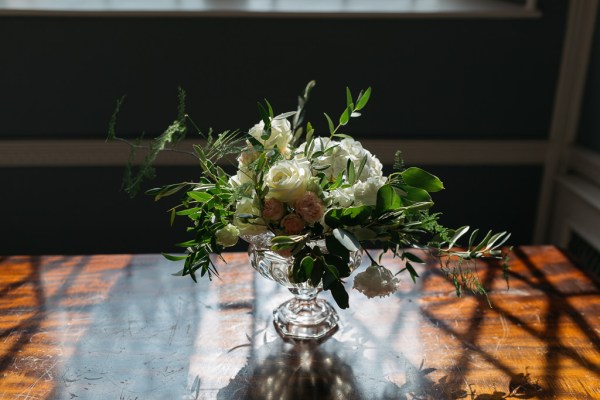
304 316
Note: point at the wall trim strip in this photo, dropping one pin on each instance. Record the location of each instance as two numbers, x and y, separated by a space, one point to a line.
96 152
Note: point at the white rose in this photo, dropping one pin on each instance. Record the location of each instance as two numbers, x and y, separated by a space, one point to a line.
287 179
253 226
280 135
227 236
365 193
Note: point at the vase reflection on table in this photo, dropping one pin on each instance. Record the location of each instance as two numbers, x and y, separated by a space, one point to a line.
304 316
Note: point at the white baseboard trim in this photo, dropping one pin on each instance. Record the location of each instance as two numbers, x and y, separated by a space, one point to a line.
95 152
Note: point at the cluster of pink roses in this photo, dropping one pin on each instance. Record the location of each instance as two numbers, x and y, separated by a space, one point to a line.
306 210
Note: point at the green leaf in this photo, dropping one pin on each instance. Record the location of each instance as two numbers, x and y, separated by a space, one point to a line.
329 123
339 263
494 239
351 216
346 239
387 199
483 242
172 219
340 295
472 238
317 272
416 194
174 258
264 116
412 257
335 247
363 98
200 197
307 264
361 166
348 97
457 235
350 172
269 107
345 117
285 115
412 272
189 211
419 178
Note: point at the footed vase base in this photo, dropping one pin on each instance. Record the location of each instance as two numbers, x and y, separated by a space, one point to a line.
305 319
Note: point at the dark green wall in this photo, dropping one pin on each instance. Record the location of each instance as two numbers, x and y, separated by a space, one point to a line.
59 78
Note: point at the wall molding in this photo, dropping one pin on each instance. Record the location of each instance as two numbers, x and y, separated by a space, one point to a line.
96 152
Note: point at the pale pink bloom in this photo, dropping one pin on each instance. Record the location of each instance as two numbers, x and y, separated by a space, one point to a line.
273 210
292 224
310 207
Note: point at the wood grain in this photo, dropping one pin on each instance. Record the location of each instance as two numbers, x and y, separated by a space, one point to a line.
121 327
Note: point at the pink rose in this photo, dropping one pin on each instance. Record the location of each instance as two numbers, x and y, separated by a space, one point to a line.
273 210
292 224
310 207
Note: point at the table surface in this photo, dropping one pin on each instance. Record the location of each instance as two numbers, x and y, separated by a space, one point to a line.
121 327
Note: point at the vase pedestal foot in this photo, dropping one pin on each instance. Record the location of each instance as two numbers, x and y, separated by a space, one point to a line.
305 319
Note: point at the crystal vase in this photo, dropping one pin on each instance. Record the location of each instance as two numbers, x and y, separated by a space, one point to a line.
304 316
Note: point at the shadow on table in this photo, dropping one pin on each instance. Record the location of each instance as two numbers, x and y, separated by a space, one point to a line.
330 370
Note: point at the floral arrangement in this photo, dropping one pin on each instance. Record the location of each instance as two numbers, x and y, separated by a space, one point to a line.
295 187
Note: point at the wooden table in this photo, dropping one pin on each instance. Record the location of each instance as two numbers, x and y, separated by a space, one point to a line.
121 327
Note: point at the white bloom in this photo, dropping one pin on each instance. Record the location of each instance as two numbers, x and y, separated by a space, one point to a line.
253 226
343 197
280 135
287 180
227 236
337 160
375 281
365 193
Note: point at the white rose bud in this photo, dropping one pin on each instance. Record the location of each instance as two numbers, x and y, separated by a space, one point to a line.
287 180
227 236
